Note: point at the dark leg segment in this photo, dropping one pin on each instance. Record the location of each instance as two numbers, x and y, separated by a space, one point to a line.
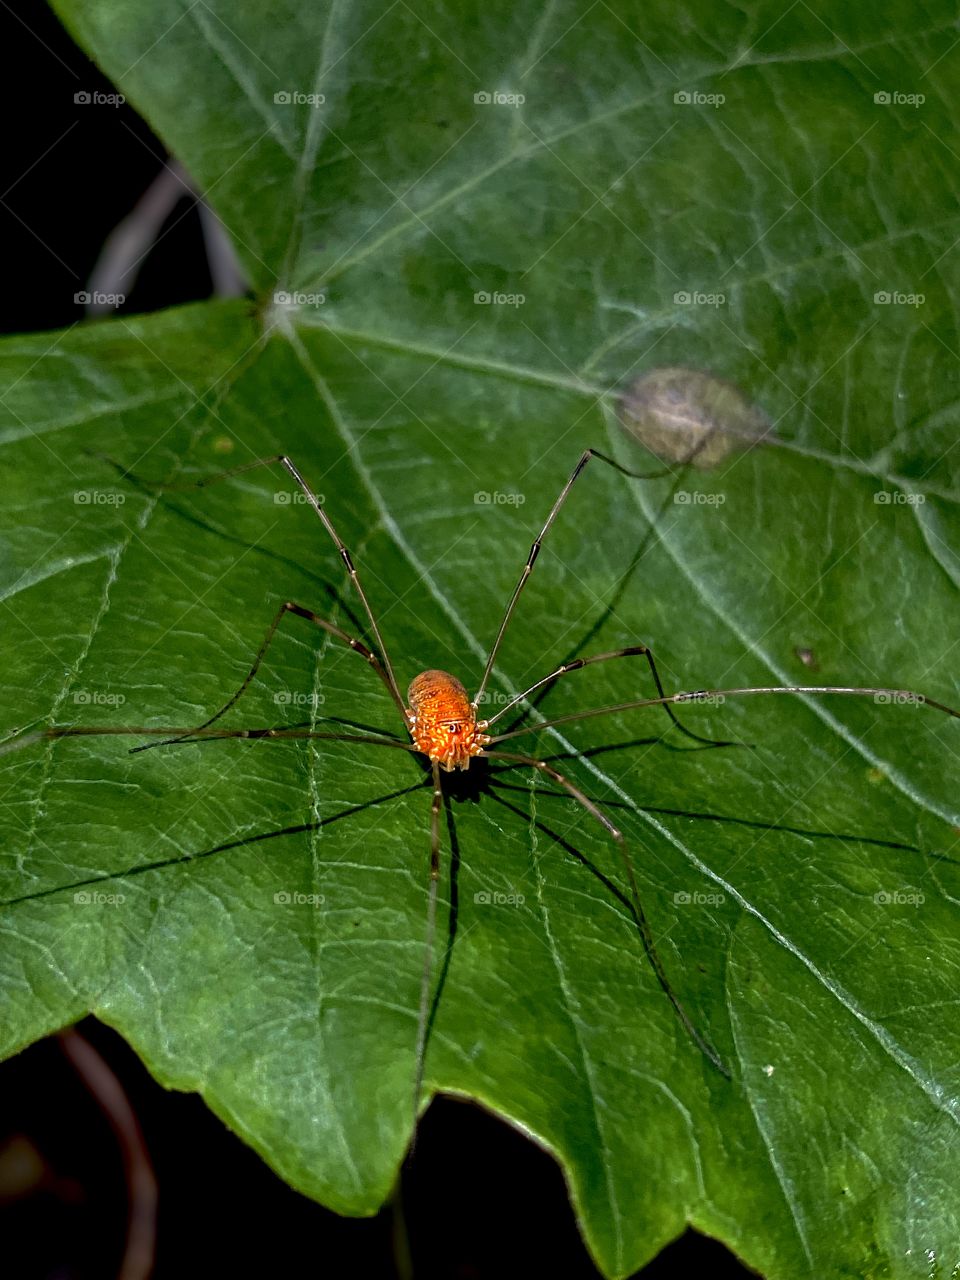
423 1014
288 607
883 696
631 651
704 1045
538 540
314 501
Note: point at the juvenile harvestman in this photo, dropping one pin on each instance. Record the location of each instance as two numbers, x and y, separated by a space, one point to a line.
444 726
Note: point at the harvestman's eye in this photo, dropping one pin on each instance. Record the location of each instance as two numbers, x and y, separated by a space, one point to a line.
453 728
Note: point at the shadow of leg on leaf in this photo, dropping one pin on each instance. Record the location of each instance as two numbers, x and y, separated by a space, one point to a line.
241 842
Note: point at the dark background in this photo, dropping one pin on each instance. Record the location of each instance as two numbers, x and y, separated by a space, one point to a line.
482 1201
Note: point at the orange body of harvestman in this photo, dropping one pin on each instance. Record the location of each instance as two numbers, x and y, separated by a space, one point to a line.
443 721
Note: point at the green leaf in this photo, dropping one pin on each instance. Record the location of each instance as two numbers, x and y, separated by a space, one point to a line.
803 893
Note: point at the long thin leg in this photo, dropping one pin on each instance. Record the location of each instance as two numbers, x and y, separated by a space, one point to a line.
178 733
423 1016
631 651
538 540
288 607
643 924
887 696
327 523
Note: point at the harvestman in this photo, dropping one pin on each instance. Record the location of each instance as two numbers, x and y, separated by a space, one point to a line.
443 723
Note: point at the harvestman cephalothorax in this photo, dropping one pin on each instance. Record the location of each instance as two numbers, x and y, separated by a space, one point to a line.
445 727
